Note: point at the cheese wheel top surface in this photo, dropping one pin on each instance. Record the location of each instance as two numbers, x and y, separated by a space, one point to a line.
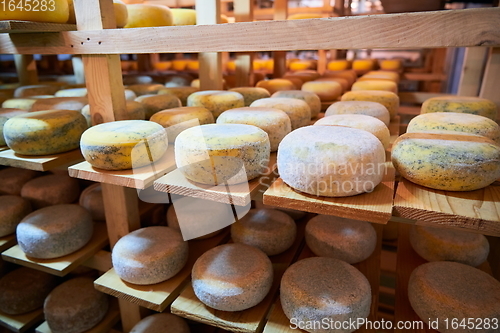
310 98
368 108
257 116
376 85
217 136
461 104
147 15
54 219
387 98
123 132
44 120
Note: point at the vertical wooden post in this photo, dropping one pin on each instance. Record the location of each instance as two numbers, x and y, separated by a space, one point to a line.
322 62
78 69
208 12
144 63
472 71
26 69
491 80
243 12
280 13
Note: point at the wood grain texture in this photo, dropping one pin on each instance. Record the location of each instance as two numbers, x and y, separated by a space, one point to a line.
21 323
475 210
450 28
14 26
372 207
39 163
139 178
158 296
7 242
62 265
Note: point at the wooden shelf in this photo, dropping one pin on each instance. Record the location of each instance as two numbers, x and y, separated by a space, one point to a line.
2 148
7 242
106 324
159 296
63 265
475 210
14 26
23 322
239 194
140 178
39 163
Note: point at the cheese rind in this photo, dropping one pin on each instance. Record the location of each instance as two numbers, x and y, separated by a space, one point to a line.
388 99
298 110
6 114
34 90
275 85
372 109
13 180
326 90
217 101
145 88
461 104
24 104
71 92
182 93
51 190
135 111
146 15
183 16
310 98
384 85
91 199
13 209
251 94
156 103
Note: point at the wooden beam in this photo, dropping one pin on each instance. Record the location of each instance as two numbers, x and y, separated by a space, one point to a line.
472 71
491 80
243 12
26 69
280 13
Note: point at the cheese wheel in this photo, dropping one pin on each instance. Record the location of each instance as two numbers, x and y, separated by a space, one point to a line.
455 122
13 179
6 114
56 11
149 255
301 65
217 101
155 103
332 161
362 66
176 120
125 144
34 90
162 65
359 121
343 82
145 88
193 65
13 209
375 85
274 122
449 290
161 323
214 154
54 231
338 65
445 244
132 79
372 109
183 16
179 64
24 290
449 162
145 15
50 190
91 199
275 85
302 78
269 230
181 93
24 104
44 132
325 290
390 64
310 98
294 214
60 103
135 111
232 277
75 306
345 239
461 104
349 75
388 99
251 94
72 92
310 73
326 90
297 110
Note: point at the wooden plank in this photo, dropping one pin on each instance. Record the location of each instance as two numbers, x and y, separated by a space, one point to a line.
474 210
491 80
100 261
466 27
39 163
417 97
279 57
243 12
372 207
104 326
238 194
62 265
158 296
26 69
139 178
7 242
14 26
21 323
472 71
423 76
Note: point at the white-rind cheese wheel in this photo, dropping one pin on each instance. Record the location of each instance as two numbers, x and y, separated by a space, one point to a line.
51 190
325 289
54 231
125 144
310 98
298 110
217 153
332 161
13 180
448 290
372 109
217 101
444 244
359 121
161 323
348 240
269 230
274 122
461 104
13 209
91 199
24 104
75 306
44 132
387 98
232 277
149 255
156 103
251 94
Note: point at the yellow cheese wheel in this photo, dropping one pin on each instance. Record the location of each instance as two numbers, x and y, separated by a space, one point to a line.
44 132
338 65
155 103
343 82
327 91
124 144
298 110
179 64
56 11
384 85
60 103
294 78
301 65
310 98
181 93
388 99
34 90
390 64
363 65
461 104
349 75
162 65
193 65
6 114
223 19
450 162
380 75
373 109
275 85
24 104
183 16
251 94
145 15
217 101
176 120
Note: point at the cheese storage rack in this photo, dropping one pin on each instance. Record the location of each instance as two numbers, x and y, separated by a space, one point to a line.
100 49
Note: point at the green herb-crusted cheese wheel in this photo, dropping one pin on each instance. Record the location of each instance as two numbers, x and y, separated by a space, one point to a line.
217 101
450 162
387 98
461 104
125 144
217 153
44 132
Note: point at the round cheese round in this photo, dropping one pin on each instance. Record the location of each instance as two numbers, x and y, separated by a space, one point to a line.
155 103
91 200
327 91
13 209
310 98
372 109
135 111
183 16
13 179
387 98
461 104
59 103
294 214
145 88
146 15
161 323
251 94
275 85
35 90
6 114
51 190
297 110
72 92
217 101
182 93
384 85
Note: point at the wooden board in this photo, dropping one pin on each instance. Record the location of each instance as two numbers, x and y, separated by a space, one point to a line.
157 296
135 178
372 207
239 194
23 322
111 318
2 148
63 265
7 242
39 163
476 210
13 26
